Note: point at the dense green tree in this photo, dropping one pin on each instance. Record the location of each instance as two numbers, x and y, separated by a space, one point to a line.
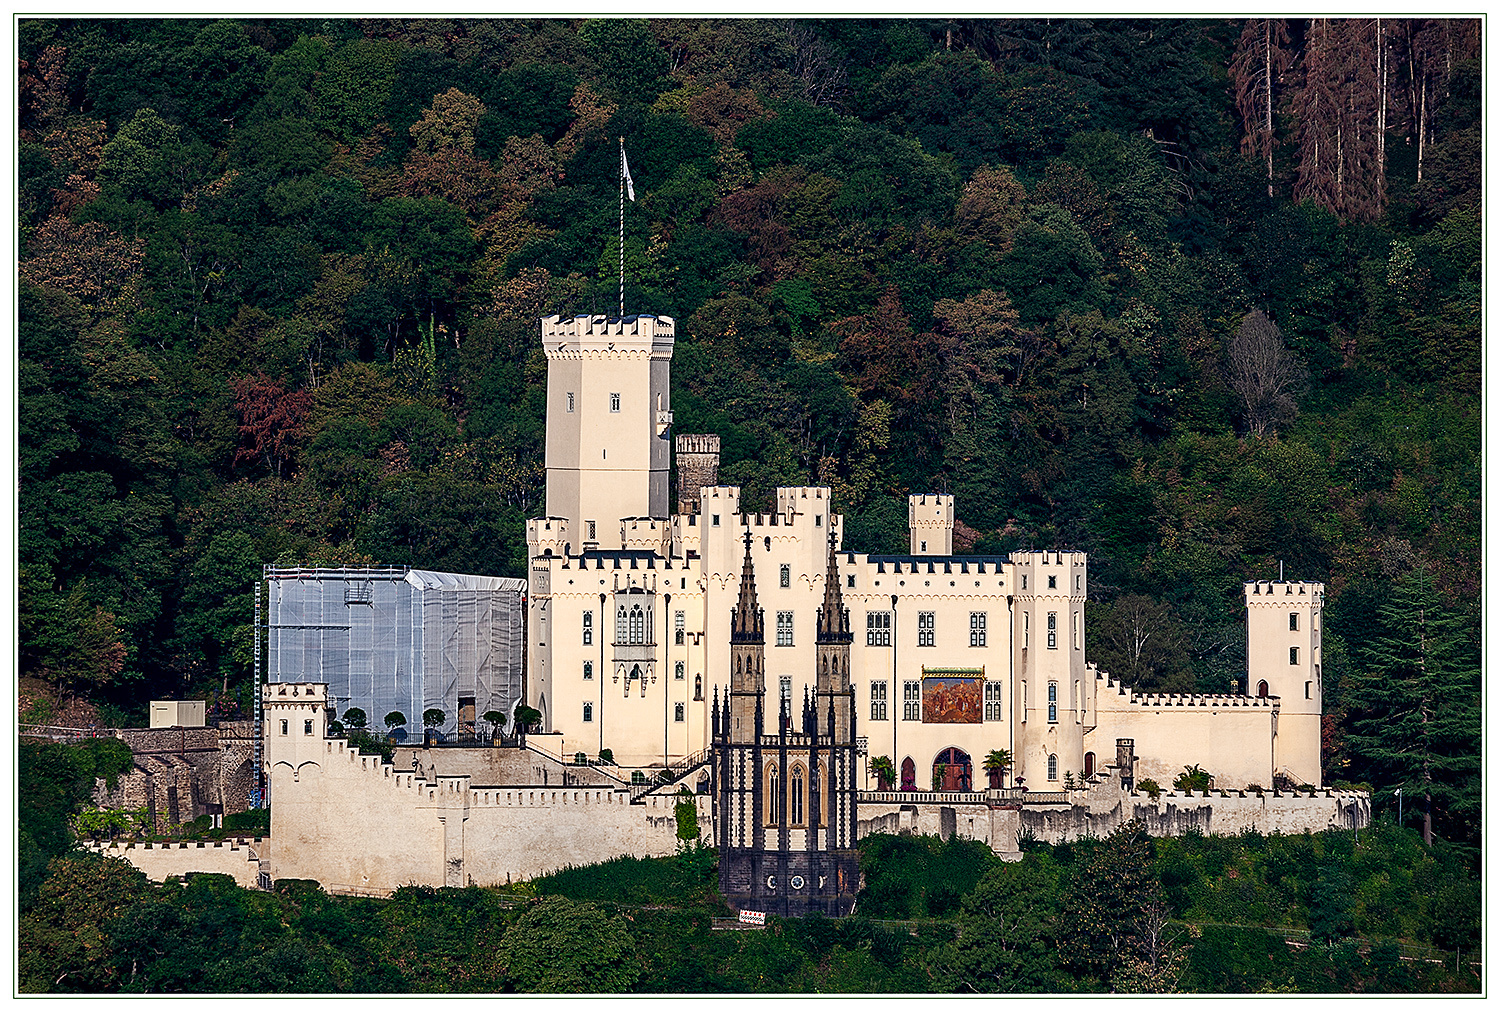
1008 930
561 947
64 941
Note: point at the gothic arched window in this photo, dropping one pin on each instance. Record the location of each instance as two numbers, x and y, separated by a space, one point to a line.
773 796
797 780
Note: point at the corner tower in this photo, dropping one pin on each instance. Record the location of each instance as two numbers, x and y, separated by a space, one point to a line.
1284 659
609 419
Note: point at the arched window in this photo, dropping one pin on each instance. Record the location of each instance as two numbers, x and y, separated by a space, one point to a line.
773 796
637 625
679 671
1088 764
1052 767
588 713
698 687
908 774
1262 690
797 796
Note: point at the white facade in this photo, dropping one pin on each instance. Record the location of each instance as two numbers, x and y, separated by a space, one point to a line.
953 656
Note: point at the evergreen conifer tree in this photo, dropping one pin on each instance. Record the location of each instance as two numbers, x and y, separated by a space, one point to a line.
1414 708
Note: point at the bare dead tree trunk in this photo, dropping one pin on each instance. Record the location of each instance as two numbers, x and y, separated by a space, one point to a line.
1264 373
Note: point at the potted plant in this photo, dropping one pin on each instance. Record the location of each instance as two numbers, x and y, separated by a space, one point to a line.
528 718
996 763
432 720
885 772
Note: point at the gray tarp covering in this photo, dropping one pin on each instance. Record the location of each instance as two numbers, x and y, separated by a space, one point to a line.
396 639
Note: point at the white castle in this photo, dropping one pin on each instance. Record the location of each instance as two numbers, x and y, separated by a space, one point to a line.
954 656
629 649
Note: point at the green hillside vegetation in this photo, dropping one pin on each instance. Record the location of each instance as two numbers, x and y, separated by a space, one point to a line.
1240 914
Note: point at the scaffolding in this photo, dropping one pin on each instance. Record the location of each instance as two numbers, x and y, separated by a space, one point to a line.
400 639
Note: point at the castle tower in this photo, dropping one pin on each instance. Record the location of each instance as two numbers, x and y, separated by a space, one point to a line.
930 518
1284 659
609 415
1050 697
295 723
697 469
747 658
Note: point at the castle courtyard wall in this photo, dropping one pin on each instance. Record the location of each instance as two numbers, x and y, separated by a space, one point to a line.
239 858
355 824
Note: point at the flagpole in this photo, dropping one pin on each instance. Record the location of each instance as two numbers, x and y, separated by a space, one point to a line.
622 228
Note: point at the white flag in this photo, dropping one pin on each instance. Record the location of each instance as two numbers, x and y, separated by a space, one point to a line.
629 183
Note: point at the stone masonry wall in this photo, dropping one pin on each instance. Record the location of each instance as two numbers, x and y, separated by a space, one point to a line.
180 772
1105 806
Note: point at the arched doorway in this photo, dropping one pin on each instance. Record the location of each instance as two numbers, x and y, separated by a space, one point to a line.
952 771
908 774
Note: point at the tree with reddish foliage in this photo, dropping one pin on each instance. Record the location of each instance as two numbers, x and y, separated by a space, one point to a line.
1261 57
270 420
886 360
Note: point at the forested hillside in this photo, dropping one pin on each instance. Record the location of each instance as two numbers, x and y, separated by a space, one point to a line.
1196 297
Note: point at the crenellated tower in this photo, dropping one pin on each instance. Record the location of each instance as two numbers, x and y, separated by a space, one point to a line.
609 420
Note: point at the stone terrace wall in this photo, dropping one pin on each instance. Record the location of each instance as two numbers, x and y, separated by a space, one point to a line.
240 858
1104 806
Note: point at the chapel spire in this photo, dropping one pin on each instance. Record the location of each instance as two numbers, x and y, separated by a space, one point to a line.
833 617
747 624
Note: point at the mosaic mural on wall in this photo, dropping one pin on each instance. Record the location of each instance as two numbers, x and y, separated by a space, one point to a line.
951 696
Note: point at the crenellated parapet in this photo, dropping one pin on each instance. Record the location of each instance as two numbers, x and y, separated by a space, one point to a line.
607 337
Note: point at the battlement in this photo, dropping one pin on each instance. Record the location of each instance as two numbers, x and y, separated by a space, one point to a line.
930 507
549 535
697 443
297 694
1163 700
630 336
1283 592
644 533
1050 557
118 848
803 499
